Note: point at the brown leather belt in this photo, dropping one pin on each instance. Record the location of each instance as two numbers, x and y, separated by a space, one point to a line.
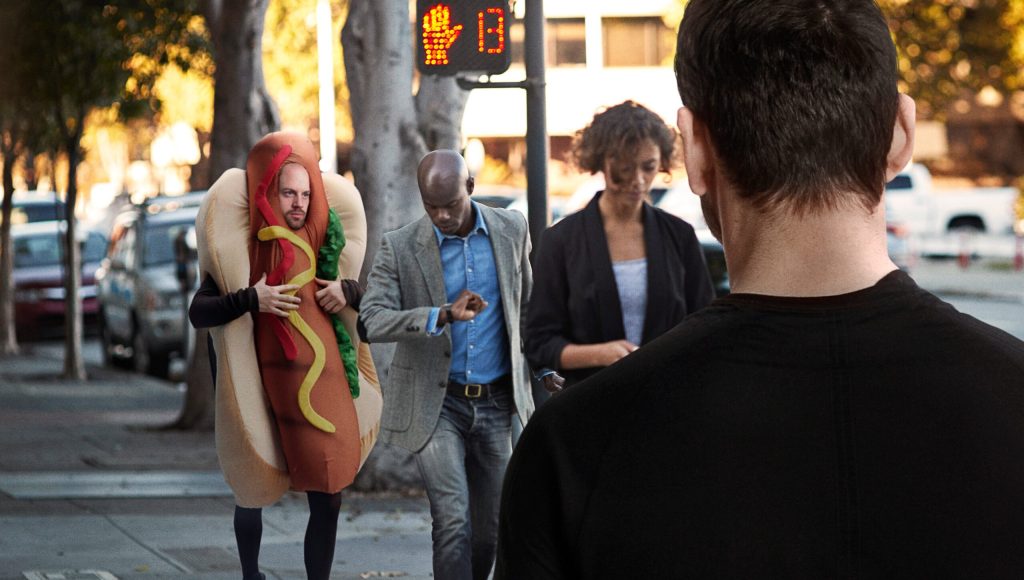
477 390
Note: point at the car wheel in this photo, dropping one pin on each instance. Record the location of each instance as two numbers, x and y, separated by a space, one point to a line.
106 345
966 226
113 352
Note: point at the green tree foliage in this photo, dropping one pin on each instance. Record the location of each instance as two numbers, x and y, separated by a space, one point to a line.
947 47
290 62
76 56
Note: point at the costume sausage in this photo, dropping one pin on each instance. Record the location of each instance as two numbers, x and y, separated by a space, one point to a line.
287 412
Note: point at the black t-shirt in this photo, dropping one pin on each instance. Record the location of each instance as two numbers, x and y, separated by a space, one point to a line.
874 434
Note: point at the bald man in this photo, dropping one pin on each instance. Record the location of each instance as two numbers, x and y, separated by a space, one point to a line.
451 290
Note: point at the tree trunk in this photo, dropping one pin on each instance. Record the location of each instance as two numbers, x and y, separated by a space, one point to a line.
31 178
440 104
393 131
197 413
74 364
8 336
243 111
387 146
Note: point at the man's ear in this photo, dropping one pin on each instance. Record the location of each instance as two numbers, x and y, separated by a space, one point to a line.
697 153
901 151
470 184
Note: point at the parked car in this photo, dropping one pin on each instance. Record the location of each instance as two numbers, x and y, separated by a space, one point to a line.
897 238
555 208
681 202
142 316
502 200
39 297
36 206
912 200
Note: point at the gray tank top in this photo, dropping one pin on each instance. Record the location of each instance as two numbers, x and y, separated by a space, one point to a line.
631 278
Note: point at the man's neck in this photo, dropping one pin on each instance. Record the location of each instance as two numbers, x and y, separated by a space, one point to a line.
822 254
467 226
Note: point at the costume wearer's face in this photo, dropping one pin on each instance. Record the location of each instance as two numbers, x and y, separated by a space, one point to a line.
629 176
447 203
293 194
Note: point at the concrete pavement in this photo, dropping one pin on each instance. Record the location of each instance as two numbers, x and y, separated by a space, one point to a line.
92 487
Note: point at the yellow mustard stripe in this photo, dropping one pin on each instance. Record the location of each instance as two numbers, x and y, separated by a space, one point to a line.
303 278
314 373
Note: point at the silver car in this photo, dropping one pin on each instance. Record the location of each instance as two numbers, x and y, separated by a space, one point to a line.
142 314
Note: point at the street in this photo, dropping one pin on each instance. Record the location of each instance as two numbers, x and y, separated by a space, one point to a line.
1005 315
91 486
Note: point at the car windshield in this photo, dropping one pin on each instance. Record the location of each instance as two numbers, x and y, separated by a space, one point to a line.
159 243
901 181
36 211
46 250
95 248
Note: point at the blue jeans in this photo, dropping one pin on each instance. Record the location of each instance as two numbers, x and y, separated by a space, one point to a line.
462 467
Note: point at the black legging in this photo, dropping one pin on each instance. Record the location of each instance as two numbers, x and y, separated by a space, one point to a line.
248 533
321 534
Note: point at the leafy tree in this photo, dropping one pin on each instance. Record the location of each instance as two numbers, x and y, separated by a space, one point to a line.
291 62
22 126
243 111
85 56
947 47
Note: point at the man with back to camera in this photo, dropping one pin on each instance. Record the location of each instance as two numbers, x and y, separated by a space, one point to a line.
829 419
451 289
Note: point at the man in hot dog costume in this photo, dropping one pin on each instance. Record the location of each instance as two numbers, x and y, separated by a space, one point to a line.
297 401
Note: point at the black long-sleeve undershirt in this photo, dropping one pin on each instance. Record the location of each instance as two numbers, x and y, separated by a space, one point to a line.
210 309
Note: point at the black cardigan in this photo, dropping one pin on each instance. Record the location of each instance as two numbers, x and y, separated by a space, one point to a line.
575 298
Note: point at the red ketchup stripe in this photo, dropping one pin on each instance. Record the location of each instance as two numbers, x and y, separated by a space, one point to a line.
275 277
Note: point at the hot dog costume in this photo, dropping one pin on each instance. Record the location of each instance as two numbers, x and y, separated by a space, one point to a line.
289 412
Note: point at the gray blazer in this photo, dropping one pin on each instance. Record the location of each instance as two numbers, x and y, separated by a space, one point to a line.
405 283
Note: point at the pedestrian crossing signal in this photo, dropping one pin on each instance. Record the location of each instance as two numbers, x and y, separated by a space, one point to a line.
462 35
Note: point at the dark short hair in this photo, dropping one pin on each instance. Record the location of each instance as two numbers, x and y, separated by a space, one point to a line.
620 129
799 96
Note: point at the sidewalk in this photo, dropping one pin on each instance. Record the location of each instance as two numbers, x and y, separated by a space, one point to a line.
89 483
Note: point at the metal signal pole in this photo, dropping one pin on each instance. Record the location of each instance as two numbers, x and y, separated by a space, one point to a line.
536 120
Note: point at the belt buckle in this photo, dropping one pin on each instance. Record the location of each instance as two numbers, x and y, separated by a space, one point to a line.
474 390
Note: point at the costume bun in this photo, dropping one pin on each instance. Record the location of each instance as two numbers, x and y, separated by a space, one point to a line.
248 441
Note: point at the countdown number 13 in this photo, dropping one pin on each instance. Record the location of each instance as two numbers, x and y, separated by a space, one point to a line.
491 31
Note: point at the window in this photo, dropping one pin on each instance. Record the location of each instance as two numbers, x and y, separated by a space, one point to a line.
94 249
48 250
637 42
37 251
159 244
901 181
567 42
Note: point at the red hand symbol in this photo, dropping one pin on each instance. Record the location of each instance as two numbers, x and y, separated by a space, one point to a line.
438 34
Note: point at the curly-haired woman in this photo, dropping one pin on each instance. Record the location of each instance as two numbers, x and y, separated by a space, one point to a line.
620 272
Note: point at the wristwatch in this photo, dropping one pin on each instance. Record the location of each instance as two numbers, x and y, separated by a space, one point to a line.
447 313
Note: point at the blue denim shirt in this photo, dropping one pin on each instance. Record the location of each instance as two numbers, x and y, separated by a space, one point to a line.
480 350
